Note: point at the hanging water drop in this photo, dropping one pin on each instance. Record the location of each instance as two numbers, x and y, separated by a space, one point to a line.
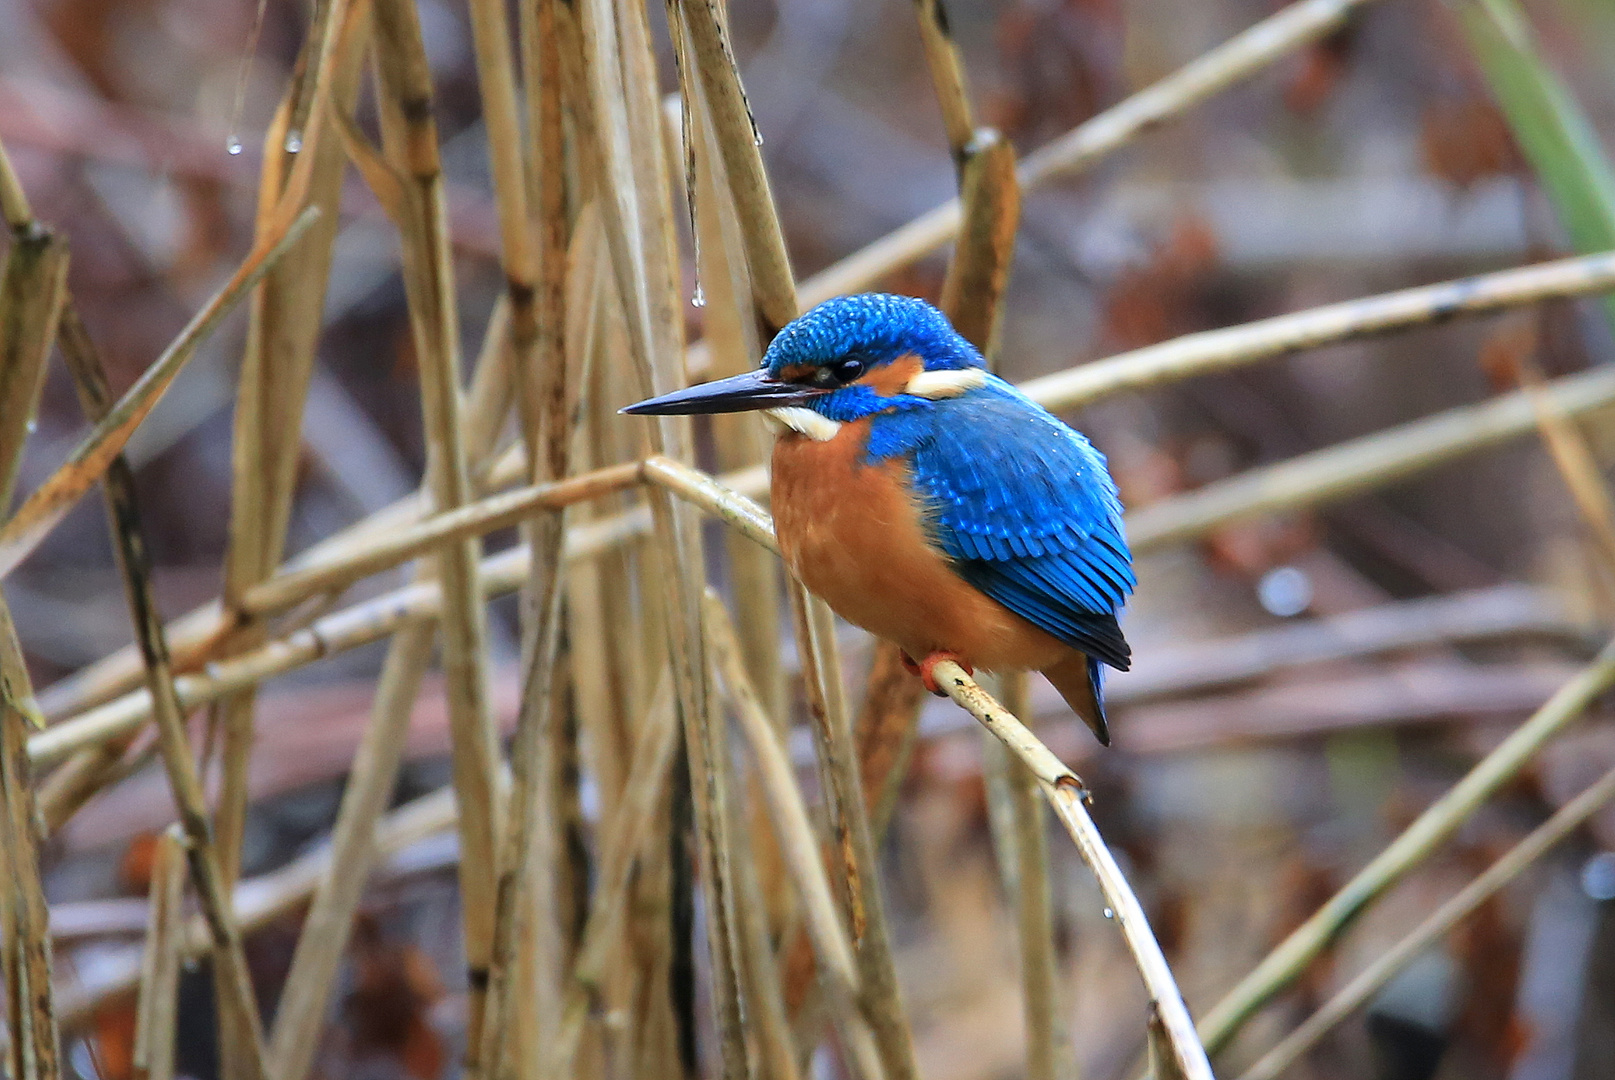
700 298
232 145
32 425
756 137
1109 914
294 141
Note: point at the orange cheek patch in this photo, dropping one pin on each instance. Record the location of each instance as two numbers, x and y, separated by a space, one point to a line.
889 380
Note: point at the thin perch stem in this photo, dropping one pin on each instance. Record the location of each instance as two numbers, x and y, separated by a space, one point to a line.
1067 795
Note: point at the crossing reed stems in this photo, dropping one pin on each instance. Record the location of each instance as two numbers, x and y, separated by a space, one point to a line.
1411 847
1385 967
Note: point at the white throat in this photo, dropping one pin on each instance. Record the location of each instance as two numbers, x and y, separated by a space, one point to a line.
815 426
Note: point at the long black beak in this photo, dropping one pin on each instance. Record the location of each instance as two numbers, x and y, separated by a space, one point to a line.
738 393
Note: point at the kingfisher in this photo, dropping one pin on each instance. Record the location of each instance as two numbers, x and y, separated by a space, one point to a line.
930 502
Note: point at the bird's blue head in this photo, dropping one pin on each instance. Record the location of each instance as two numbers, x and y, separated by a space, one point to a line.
849 357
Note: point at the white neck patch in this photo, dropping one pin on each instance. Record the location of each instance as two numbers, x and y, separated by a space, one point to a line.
814 425
945 384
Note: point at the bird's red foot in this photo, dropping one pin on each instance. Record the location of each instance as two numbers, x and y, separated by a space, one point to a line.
926 669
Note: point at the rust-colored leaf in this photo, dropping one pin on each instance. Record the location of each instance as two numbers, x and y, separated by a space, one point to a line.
1160 298
1466 140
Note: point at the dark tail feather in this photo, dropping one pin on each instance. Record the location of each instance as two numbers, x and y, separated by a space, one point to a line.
1080 681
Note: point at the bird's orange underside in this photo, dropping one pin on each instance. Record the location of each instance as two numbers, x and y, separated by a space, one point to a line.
854 534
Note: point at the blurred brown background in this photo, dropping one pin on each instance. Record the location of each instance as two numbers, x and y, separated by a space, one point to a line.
1373 160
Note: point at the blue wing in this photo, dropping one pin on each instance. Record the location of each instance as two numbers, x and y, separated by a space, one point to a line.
1026 509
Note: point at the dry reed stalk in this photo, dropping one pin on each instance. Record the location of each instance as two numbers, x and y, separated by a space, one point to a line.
730 325
638 214
710 79
703 50
881 1000
239 1041
947 77
33 291
620 847
1067 795
1292 28
14 208
197 634
157 1007
285 314
614 614
407 177
1212 351
68 788
530 870
33 1049
972 297
787 808
1048 1052
240 1030
1384 967
533 291
1411 847
972 293
760 977
800 848
50 502
322 942
240 1038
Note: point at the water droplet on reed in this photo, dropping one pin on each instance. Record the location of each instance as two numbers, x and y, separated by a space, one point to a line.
1109 914
700 298
232 146
294 142
32 425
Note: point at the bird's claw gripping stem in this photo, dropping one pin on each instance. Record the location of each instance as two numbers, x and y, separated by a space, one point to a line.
926 669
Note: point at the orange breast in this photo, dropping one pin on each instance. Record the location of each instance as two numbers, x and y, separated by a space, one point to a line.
855 535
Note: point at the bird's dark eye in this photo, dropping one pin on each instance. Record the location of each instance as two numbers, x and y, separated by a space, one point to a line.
847 370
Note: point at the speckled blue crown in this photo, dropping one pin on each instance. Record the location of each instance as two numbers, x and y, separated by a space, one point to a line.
877 326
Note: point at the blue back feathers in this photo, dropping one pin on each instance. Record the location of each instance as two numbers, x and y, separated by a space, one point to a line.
1020 503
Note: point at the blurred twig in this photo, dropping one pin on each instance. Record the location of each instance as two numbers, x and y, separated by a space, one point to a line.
1277 36
1235 346
407 177
1439 922
1286 962
1359 465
